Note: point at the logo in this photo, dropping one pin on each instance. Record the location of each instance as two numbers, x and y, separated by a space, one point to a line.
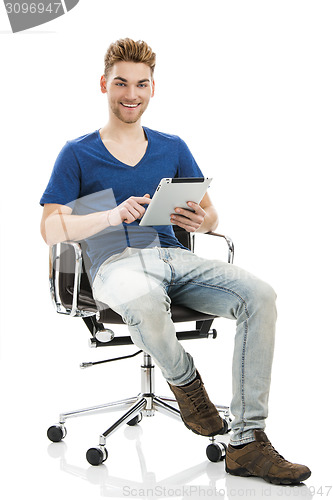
27 14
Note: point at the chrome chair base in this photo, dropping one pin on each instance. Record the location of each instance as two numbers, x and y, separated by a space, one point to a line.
144 404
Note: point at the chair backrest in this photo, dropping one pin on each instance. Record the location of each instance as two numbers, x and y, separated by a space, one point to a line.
184 237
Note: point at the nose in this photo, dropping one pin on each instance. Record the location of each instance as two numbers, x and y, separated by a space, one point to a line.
131 92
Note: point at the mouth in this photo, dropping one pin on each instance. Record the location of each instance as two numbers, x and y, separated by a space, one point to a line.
130 106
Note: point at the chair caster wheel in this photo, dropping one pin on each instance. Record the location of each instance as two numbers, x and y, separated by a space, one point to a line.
56 433
135 420
216 452
96 456
225 429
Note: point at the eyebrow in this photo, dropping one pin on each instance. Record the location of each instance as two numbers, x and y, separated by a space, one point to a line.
125 81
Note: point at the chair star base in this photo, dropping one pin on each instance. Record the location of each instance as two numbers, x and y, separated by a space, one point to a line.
144 404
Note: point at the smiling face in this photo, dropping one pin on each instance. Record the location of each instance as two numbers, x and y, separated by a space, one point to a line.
129 87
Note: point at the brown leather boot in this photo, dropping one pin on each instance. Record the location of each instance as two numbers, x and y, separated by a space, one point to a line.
260 459
197 411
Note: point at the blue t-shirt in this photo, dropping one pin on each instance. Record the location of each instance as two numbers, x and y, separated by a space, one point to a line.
88 178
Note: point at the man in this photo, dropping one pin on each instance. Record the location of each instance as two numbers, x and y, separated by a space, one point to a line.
99 189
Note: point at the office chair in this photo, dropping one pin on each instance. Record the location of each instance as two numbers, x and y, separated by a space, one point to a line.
72 295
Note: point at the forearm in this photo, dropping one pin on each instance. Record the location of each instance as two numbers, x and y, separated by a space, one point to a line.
60 227
210 222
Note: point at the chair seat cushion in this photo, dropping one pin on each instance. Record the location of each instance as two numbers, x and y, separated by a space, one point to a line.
179 314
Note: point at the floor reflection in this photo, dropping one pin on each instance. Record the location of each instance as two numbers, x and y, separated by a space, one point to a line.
214 481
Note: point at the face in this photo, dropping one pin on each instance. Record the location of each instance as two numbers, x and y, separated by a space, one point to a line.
129 87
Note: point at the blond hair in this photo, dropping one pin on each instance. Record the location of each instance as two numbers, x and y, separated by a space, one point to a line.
126 49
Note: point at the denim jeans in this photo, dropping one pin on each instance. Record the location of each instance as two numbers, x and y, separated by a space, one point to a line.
140 284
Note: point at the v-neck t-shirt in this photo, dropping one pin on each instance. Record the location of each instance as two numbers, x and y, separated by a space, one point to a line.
88 178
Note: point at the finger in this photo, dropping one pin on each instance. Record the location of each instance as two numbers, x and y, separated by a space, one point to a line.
193 216
132 211
186 221
196 207
142 200
133 206
126 215
189 227
193 208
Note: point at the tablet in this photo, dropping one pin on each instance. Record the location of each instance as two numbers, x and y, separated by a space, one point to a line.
172 193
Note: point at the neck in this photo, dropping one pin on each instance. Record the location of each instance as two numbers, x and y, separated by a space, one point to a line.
119 131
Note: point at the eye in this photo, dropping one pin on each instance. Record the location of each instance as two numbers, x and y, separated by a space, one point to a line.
120 84
142 85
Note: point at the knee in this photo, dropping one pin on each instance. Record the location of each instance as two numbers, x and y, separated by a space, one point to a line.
149 322
151 309
264 292
262 295
258 304
254 292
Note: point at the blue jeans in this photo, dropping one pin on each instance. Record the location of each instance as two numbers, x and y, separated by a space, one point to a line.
140 284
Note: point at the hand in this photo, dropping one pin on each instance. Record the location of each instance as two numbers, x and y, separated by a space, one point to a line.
129 210
188 219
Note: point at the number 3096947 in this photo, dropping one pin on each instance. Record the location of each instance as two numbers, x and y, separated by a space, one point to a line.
33 8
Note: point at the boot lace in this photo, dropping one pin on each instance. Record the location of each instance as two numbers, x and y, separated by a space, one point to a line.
199 400
270 450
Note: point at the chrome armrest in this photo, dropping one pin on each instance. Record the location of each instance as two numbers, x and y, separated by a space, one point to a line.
55 259
231 248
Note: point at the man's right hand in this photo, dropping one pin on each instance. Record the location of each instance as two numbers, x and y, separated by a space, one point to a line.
129 210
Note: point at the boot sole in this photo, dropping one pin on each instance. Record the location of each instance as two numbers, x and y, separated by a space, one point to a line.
222 431
273 480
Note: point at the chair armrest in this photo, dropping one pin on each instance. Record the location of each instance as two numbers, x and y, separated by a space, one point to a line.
73 268
231 248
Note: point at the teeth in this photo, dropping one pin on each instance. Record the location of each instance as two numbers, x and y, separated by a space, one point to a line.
130 105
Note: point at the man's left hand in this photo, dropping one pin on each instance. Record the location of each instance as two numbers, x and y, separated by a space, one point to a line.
191 221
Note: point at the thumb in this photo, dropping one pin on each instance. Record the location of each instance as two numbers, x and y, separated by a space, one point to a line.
147 195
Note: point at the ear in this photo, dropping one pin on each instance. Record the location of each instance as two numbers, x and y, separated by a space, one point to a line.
152 88
103 84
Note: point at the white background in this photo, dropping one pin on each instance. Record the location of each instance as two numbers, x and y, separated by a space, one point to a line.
248 85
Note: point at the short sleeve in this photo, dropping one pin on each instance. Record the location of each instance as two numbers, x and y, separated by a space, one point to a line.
188 167
65 180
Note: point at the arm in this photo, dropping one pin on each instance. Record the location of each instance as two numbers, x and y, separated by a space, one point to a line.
58 224
203 219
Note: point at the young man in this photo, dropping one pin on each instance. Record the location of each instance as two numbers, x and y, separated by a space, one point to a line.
99 189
